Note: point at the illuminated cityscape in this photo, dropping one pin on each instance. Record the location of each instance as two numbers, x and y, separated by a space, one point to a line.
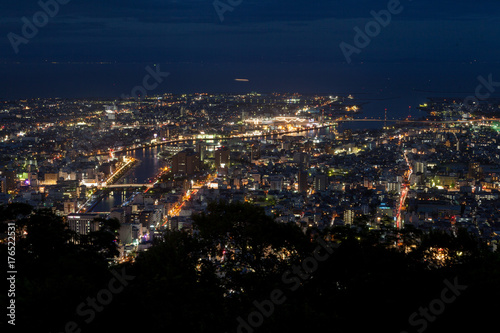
156 164
242 166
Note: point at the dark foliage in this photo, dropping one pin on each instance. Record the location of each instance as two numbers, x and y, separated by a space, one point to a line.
204 283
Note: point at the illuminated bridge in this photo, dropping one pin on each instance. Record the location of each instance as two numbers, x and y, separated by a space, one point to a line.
128 185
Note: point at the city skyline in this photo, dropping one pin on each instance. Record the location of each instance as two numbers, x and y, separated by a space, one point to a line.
250 166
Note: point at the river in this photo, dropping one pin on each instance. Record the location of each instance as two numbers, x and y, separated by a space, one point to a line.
149 167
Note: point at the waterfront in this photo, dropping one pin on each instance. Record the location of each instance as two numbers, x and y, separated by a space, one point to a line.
148 167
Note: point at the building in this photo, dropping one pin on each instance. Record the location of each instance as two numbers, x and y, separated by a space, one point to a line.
255 151
420 167
320 182
3 185
222 157
130 232
301 158
10 180
51 178
83 224
70 207
201 148
474 170
186 162
276 183
349 216
303 182
394 187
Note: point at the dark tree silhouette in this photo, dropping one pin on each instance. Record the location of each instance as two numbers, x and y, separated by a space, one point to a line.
105 240
187 283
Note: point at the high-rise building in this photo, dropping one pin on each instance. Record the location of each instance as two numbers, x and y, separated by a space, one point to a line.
349 216
186 162
320 182
201 149
420 167
303 182
222 157
3 185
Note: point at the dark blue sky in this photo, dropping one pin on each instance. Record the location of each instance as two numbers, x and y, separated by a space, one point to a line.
278 45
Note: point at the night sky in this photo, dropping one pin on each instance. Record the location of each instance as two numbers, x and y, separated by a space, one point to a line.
101 48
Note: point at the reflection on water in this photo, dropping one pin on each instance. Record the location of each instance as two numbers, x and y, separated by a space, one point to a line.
112 199
148 168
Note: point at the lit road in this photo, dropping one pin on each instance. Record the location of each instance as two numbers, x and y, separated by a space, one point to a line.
404 192
128 185
175 211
